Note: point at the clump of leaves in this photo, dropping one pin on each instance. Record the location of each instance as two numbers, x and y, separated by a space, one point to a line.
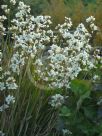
79 114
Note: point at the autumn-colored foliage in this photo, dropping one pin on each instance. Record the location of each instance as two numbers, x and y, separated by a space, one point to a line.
57 10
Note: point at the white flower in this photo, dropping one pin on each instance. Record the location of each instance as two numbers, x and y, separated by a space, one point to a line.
2 86
3 107
66 132
90 19
10 99
96 77
4 6
38 62
13 2
2 18
2 134
57 100
99 102
93 27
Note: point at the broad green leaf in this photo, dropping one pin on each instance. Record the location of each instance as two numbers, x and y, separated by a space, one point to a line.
81 89
65 112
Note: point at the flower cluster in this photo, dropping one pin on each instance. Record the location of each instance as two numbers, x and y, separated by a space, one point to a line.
66 132
2 28
67 56
5 9
53 58
2 134
96 78
91 20
13 2
58 57
30 35
57 100
99 101
7 84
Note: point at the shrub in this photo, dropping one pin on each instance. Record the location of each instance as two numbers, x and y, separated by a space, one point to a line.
35 65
